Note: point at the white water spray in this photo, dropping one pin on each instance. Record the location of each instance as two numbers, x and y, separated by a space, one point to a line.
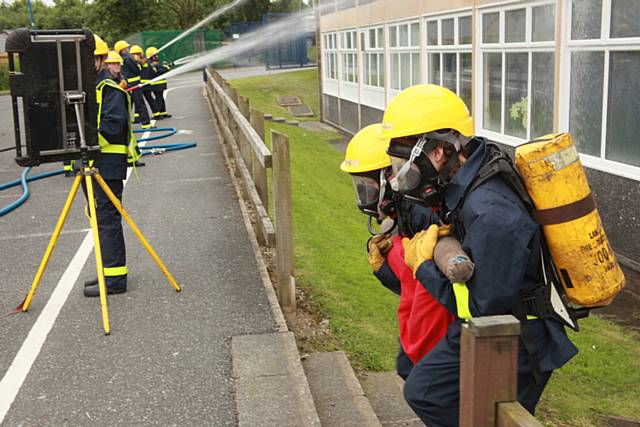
291 26
216 13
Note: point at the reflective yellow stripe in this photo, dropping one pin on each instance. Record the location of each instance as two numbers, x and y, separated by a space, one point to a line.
115 271
159 82
112 148
461 292
133 79
530 317
144 80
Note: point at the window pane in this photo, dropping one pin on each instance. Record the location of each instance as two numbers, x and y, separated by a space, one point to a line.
544 25
625 18
415 34
404 35
405 70
380 37
432 33
491 27
374 70
366 70
447 31
492 91
515 25
380 70
516 102
372 38
395 72
415 68
464 30
623 126
434 68
585 104
542 74
585 19
393 36
449 71
465 79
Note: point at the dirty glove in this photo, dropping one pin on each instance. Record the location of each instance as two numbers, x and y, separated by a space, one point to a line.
378 247
420 248
123 84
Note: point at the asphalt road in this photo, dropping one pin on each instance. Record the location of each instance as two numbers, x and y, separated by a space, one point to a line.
167 361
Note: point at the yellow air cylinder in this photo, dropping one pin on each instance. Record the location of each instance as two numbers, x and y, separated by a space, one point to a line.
558 186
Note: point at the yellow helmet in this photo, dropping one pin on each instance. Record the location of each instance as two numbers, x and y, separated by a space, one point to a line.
101 47
367 151
425 108
151 51
113 58
135 49
120 44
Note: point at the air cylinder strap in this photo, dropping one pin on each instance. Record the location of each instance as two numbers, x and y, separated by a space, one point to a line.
565 213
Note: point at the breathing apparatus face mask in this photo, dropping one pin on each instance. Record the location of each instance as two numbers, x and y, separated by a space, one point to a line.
415 177
372 196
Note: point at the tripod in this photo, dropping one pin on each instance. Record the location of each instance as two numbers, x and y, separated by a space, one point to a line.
90 174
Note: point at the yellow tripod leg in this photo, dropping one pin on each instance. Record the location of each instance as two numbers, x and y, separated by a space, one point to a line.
137 232
52 242
96 244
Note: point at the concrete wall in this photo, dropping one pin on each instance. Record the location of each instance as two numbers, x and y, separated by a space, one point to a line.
369 116
349 116
330 107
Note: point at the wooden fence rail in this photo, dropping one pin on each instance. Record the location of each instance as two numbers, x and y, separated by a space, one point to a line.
243 133
489 374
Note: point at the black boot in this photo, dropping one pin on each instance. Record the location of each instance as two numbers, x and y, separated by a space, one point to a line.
91 282
94 290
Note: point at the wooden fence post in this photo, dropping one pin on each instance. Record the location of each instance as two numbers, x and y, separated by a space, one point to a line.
488 368
284 220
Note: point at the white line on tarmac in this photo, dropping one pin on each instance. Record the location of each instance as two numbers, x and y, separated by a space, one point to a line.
33 235
30 349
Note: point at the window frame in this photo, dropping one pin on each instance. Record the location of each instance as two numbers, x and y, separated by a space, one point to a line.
350 52
528 46
369 50
397 51
456 48
605 44
330 50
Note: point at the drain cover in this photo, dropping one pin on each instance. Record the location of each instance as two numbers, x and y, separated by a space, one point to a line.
301 111
287 101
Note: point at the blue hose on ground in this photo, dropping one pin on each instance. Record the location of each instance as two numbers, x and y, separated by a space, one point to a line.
169 132
146 150
23 198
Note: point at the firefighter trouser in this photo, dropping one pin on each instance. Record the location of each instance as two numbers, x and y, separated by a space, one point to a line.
114 256
140 107
432 388
158 92
152 101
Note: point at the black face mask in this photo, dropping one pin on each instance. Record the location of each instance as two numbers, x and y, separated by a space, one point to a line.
368 186
420 181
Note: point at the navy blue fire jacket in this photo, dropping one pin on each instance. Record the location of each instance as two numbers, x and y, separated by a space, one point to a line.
504 243
114 127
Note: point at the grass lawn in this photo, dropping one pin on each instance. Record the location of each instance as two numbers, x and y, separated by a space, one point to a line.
331 267
262 92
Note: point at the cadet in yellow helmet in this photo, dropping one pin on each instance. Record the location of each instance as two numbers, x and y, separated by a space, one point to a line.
147 74
118 147
437 160
131 74
158 86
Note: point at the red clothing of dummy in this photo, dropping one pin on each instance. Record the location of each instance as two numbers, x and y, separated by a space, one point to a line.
423 320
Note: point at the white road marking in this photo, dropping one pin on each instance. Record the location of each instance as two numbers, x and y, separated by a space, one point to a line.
33 235
30 349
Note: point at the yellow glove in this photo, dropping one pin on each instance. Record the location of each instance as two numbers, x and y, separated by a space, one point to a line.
420 248
123 84
378 247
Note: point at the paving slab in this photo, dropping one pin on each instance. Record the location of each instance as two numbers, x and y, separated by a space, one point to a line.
384 391
338 396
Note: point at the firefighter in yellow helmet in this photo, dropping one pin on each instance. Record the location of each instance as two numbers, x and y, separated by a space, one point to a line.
118 147
131 74
160 85
436 159
148 73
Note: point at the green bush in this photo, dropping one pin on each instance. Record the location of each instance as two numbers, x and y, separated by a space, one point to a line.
4 77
